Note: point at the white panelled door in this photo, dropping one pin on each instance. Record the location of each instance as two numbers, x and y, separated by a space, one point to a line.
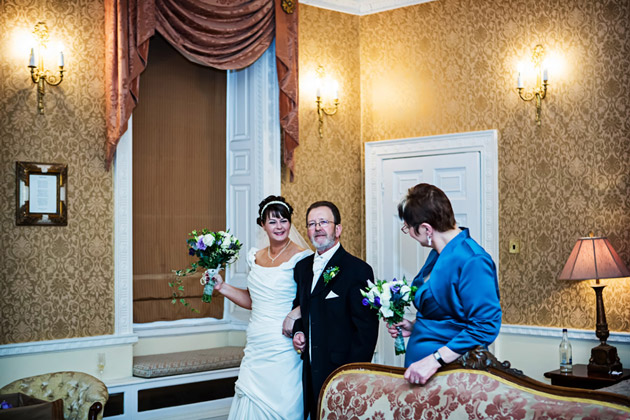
462 165
456 174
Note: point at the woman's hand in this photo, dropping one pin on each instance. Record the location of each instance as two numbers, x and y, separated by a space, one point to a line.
422 370
218 280
287 324
299 342
405 325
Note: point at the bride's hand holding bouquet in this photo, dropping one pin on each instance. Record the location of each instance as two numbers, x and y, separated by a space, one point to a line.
215 251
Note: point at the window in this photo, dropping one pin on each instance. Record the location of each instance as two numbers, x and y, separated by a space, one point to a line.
179 179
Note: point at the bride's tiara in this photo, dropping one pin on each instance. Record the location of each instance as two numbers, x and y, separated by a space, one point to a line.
274 202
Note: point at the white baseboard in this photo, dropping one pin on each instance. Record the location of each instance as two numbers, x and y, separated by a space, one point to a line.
531 330
534 350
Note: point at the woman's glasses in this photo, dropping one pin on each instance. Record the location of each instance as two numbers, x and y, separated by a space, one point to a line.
404 229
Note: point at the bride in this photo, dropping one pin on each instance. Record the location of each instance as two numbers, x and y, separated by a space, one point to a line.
269 384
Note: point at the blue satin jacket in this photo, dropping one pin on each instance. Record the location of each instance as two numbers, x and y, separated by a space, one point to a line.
459 305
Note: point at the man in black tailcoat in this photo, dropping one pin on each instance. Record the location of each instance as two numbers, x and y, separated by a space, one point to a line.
335 328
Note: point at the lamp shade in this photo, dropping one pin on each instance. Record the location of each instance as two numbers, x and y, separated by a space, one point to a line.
593 258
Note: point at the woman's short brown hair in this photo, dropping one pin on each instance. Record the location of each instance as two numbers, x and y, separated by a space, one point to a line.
426 203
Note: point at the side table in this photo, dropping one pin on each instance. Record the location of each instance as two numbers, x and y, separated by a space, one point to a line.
580 378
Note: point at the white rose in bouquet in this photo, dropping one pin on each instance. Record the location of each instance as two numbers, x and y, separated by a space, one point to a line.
405 292
226 240
386 297
208 239
386 312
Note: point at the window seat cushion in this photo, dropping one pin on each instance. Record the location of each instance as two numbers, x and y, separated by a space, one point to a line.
167 364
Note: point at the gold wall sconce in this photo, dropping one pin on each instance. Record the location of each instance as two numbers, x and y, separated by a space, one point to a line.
39 74
329 88
539 92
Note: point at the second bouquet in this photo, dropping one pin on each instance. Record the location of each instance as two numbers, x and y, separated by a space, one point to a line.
390 298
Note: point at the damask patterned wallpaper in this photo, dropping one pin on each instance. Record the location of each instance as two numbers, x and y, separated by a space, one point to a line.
439 67
329 168
56 282
450 66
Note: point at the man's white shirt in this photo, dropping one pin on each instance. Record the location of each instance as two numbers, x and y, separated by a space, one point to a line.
319 263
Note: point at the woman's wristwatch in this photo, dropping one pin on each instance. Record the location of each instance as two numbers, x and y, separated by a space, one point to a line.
438 357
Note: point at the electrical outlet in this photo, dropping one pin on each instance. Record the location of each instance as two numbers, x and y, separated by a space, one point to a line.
515 246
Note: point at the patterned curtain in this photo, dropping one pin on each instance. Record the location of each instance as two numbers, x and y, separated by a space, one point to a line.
218 33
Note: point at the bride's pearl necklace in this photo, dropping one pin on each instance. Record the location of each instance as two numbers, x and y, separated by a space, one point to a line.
278 254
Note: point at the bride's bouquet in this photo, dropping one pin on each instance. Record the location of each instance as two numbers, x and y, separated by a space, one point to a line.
215 250
390 298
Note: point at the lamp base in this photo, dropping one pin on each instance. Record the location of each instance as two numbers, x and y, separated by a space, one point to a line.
604 360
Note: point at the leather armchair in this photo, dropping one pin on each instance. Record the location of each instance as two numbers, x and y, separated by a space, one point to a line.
84 396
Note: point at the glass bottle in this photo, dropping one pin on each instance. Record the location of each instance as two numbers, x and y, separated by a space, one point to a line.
565 352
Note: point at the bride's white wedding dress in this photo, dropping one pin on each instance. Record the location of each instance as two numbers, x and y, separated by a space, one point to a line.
269 384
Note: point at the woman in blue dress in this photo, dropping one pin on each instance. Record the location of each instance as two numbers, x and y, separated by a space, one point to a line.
458 292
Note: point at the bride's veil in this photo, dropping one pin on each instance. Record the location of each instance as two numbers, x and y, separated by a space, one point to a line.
262 240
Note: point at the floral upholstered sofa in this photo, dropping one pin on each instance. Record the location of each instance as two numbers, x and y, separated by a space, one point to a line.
476 386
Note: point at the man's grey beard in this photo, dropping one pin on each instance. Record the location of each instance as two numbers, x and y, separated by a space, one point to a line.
325 245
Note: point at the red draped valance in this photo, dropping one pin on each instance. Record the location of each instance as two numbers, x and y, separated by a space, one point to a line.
217 33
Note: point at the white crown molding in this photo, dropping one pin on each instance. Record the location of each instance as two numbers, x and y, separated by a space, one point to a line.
66 344
589 335
362 7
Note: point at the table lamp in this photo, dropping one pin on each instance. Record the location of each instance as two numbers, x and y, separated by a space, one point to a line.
595 259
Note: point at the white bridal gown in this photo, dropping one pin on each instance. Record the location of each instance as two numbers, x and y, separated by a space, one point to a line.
269 384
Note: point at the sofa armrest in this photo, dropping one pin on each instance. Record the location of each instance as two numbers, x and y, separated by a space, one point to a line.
82 394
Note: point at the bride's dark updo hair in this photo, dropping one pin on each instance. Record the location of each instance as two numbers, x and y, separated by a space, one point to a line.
273 206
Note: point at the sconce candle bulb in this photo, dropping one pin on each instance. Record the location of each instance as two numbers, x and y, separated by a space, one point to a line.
39 74
321 108
31 61
540 90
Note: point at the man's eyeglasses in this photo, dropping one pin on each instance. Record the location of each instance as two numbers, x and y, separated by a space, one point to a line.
404 229
322 224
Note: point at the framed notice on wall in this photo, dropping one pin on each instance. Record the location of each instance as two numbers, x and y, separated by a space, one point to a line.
41 190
